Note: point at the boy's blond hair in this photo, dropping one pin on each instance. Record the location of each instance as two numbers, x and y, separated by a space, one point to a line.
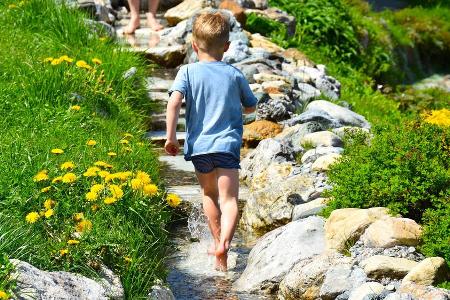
211 30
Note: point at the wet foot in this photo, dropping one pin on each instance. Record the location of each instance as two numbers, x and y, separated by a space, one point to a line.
221 258
132 25
153 23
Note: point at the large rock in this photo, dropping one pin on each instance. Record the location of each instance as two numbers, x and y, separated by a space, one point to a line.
421 292
308 74
321 138
305 279
311 208
272 203
329 86
324 162
235 9
294 134
278 251
183 11
276 107
340 279
33 283
299 58
366 291
167 56
313 154
430 271
391 232
260 130
304 93
348 224
258 41
379 266
237 52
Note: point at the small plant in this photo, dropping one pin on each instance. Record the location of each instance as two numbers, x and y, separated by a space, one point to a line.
7 284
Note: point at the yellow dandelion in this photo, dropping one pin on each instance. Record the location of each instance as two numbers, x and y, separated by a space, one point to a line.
57 151
49 204
50 212
41 176
124 142
123 175
128 149
439 117
63 252
96 61
78 217
91 172
83 225
102 164
112 154
173 200
143 177
116 191
66 59
48 59
57 179
136 184
91 143
75 107
3 295
56 61
127 135
127 259
69 178
110 200
91 196
150 190
68 165
83 65
103 174
73 242
32 217
46 189
97 188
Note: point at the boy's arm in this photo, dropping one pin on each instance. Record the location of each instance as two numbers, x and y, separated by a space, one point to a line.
249 110
173 109
248 100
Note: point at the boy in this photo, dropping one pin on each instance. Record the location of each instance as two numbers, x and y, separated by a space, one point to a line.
214 93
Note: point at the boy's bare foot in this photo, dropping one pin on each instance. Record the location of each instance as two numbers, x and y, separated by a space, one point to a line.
132 25
153 23
221 258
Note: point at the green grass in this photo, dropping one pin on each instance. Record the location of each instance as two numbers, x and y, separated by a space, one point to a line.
35 101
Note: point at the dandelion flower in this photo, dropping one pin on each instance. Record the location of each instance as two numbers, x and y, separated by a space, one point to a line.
110 200
124 142
56 61
75 107
127 259
46 189
116 191
123 175
68 165
48 59
83 65
173 200
66 59
112 154
127 135
136 184
69 178
103 174
128 149
439 117
97 188
50 212
32 217
73 242
143 177
83 225
91 143
49 204
63 252
41 176
57 179
102 164
150 190
57 151
91 172
91 196
3 295
96 61
78 217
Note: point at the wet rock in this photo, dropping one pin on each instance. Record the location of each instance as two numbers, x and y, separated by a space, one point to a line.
236 10
391 232
366 291
348 224
380 266
313 154
329 86
298 57
33 283
424 292
160 292
259 130
258 41
340 279
277 109
305 279
430 271
168 56
278 251
237 52
308 209
183 11
324 162
304 92
322 138
277 15
273 199
259 4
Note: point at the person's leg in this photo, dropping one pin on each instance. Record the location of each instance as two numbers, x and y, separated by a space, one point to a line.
134 17
228 185
151 15
208 183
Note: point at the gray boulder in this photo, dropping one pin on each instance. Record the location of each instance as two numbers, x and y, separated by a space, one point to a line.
340 279
274 108
311 208
237 52
304 93
313 154
329 86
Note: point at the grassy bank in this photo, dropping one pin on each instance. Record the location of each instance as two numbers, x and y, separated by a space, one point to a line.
79 185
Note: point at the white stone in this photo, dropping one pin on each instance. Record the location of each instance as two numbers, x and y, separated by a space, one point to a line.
322 138
323 163
379 266
311 208
366 290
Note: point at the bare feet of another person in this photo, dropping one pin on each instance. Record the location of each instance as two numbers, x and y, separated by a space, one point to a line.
153 23
132 25
221 257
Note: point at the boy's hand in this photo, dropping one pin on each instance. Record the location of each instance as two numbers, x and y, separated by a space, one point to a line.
172 147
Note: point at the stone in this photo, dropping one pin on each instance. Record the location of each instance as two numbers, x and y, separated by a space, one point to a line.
346 130
277 15
167 56
274 107
300 59
398 296
311 208
304 93
251 69
295 133
321 138
348 224
33 283
129 73
256 88
160 292
259 130
236 10
237 52
329 86
272 201
258 41
323 163
177 34
391 232
267 151
278 251
421 292
430 271
379 266
339 279
308 74
313 154
305 279
366 291
258 4
183 11
263 77
276 87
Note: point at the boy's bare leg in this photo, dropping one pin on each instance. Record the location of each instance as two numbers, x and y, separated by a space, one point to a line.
228 184
151 15
208 183
134 19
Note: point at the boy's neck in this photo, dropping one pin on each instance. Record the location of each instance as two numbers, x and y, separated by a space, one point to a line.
209 57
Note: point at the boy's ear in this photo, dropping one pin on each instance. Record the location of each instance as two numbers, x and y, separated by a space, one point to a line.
226 47
194 46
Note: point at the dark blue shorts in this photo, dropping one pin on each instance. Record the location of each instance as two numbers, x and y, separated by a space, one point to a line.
205 163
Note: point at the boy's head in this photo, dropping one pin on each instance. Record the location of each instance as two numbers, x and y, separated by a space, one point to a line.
211 32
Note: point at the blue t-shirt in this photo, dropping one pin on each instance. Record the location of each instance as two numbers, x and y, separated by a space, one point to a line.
214 93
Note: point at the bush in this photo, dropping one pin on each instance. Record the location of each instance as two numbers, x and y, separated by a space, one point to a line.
436 238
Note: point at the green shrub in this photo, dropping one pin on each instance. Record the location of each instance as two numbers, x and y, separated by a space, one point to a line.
7 284
436 238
